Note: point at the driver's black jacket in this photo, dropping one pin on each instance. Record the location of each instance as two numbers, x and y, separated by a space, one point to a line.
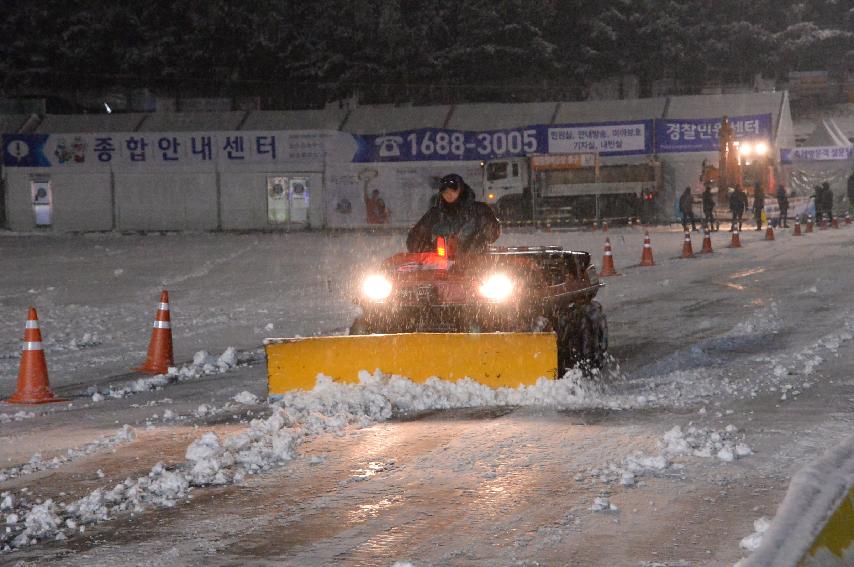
473 224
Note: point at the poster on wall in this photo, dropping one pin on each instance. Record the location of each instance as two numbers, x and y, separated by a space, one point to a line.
42 201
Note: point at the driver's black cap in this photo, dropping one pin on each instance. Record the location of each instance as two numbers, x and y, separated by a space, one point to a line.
451 181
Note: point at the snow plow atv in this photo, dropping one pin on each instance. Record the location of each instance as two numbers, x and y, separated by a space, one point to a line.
505 317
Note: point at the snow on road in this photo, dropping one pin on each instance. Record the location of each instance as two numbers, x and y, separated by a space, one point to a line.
731 373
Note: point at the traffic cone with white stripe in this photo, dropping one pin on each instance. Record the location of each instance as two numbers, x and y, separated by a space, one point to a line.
160 356
847 217
646 257
809 224
687 248
736 240
797 231
608 261
707 242
769 233
33 386
834 223
604 226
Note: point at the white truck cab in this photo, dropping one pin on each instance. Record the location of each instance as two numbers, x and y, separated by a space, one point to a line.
505 177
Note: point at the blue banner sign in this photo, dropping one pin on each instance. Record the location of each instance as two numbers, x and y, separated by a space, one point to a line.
435 144
819 153
156 149
701 134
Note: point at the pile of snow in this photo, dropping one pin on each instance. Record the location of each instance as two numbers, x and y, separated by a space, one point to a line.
751 542
17 416
59 341
602 504
246 398
203 364
574 391
36 464
160 488
725 445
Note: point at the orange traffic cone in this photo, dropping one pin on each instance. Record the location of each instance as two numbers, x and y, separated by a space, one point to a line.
160 356
687 249
847 217
33 386
834 223
823 224
604 226
646 257
769 233
608 261
797 230
809 224
736 241
707 242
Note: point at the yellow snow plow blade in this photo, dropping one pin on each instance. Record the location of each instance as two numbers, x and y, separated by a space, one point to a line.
492 359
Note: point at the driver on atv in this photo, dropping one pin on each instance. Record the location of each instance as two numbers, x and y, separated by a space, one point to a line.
457 216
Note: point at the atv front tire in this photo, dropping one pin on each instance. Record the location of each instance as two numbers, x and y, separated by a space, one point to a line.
582 334
592 339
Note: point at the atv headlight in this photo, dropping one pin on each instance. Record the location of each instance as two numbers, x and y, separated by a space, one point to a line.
497 287
376 287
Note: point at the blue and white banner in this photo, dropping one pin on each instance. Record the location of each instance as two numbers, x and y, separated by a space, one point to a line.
818 153
140 150
155 150
435 144
701 134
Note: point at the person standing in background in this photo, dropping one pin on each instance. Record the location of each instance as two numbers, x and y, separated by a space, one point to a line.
827 199
737 204
709 208
783 203
686 207
851 192
758 204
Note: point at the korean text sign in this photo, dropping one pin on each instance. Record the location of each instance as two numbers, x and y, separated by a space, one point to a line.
701 134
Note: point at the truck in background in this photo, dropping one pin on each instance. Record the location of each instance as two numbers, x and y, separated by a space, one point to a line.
571 188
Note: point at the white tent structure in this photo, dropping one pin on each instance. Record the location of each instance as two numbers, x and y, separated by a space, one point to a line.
826 156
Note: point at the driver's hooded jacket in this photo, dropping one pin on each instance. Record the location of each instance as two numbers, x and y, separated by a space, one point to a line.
473 224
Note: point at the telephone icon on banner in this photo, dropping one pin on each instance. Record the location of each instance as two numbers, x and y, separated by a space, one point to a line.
389 145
